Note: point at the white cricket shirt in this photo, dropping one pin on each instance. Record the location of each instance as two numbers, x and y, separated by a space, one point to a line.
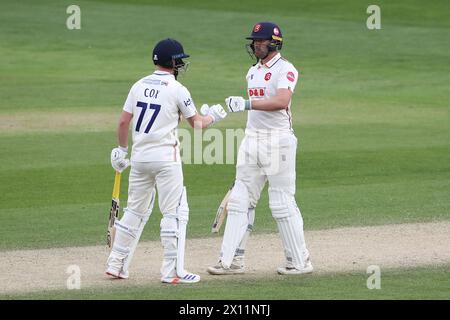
263 81
157 102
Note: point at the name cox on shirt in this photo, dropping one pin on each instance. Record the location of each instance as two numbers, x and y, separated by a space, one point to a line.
151 93
257 92
154 94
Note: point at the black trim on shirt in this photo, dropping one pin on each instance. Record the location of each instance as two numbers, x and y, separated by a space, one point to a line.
275 62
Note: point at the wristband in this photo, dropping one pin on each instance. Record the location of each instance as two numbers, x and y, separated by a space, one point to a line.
248 105
124 149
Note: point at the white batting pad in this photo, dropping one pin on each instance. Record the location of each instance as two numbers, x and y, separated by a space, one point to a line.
169 232
240 251
128 232
237 222
144 219
173 239
183 217
290 225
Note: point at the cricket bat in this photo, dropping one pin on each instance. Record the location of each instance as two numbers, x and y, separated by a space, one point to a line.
221 212
114 212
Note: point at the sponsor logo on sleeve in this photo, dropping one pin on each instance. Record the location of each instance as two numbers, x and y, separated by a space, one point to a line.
290 76
188 102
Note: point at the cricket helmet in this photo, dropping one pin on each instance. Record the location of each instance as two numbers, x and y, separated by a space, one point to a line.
267 31
169 53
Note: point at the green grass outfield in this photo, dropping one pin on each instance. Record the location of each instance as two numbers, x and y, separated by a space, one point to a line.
371 110
416 284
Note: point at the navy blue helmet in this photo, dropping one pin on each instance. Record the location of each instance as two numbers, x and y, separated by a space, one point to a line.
267 31
169 53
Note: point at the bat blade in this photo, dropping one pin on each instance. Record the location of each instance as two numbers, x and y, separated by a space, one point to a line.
114 211
221 212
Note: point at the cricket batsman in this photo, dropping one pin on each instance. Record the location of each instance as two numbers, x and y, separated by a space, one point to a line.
267 153
153 109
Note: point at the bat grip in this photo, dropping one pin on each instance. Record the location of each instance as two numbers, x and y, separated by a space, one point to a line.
116 188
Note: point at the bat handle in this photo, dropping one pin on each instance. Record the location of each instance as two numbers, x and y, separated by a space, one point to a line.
116 188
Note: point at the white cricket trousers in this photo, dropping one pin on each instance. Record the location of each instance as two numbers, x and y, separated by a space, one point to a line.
272 158
144 176
267 157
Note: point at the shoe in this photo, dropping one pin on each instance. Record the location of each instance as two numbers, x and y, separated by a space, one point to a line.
115 269
187 278
116 273
219 269
308 268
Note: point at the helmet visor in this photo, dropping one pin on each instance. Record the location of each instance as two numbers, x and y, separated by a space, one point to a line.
180 65
258 37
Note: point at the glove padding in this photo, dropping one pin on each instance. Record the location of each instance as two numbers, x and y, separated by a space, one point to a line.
204 110
118 160
217 112
237 104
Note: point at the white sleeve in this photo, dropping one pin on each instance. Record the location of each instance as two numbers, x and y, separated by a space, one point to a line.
248 74
130 102
288 78
185 102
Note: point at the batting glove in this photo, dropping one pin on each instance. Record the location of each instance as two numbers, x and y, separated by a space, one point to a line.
118 159
204 110
237 104
217 112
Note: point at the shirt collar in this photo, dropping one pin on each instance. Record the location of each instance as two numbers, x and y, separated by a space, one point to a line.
272 61
162 73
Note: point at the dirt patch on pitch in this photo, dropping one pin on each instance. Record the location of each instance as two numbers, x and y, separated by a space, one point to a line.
332 251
